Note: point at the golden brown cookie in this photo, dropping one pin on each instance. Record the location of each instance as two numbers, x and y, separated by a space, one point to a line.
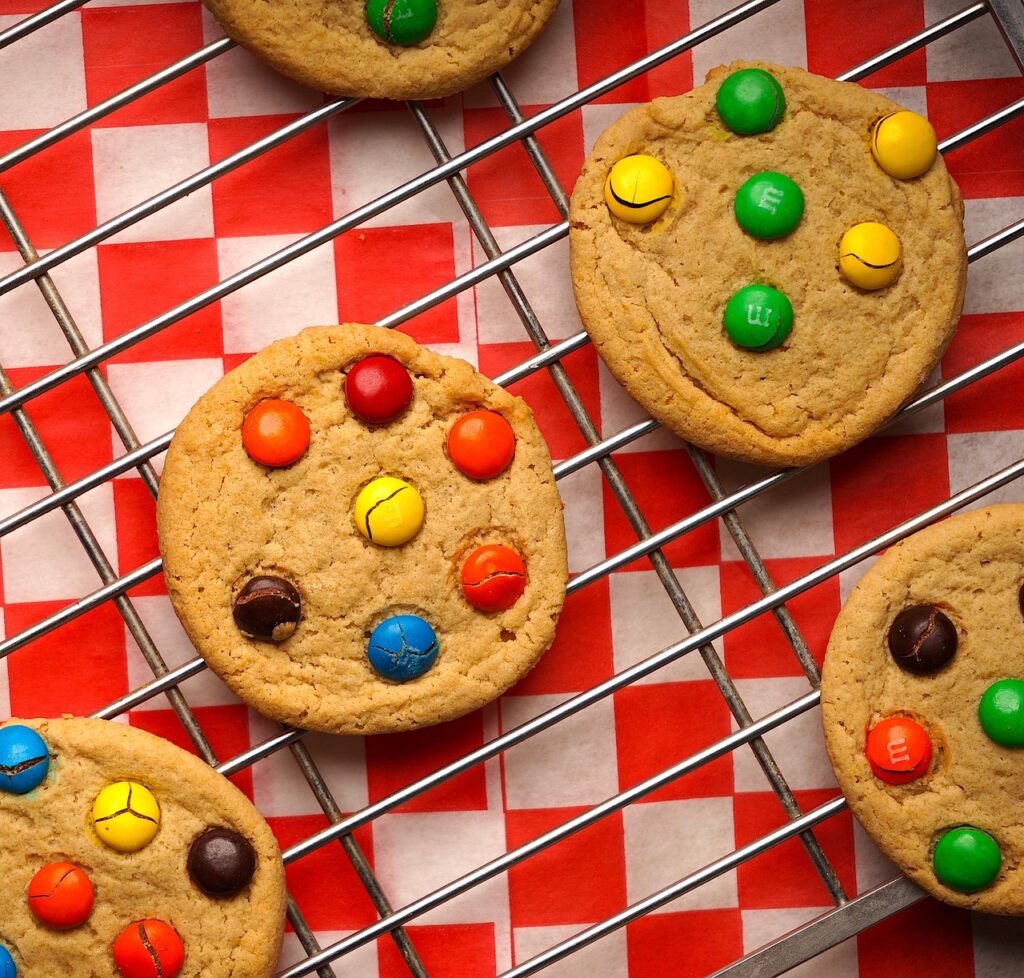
330 45
110 868
923 707
302 585
654 295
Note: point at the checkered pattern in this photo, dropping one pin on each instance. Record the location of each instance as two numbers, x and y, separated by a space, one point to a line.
611 624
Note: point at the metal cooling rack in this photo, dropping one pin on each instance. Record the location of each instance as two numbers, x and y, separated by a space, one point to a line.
851 913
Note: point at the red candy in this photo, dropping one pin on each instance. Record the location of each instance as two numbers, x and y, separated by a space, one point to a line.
493 577
899 750
275 433
149 949
482 444
60 895
378 389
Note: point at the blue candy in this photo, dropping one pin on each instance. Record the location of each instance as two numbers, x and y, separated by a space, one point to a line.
402 648
7 968
24 761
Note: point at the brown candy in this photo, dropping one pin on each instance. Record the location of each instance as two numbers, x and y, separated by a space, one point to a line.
221 862
922 639
268 608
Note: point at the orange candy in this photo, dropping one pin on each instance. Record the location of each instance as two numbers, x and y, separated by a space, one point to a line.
275 433
493 577
149 949
60 895
481 444
899 750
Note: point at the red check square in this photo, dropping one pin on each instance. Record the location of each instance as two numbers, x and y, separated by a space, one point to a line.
690 944
928 938
447 951
135 517
578 880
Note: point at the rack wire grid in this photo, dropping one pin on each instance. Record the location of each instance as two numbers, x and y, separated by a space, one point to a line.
851 912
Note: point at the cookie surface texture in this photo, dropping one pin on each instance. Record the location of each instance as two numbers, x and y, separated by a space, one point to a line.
331 46
653 297
222 937
969 567
224 519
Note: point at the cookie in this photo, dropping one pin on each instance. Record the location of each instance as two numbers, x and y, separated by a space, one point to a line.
922 700
396 49
330 592
106 865
733 261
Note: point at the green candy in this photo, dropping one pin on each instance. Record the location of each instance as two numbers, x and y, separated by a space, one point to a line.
758 317
966 859
1001 712
769 205
751 101
404 22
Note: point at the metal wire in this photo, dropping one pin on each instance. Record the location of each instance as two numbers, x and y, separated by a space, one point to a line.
849 915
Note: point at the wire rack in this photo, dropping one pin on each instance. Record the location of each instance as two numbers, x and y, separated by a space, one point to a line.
851 913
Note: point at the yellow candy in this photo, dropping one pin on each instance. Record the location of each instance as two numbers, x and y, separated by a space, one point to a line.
870 256
904 144
389 512
126 816
638 189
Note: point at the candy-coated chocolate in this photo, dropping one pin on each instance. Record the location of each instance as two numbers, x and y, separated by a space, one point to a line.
402 648
493 577
751 101
922 639
275 433
481 444
904 144
758 317
966 859
7 967
769 205
639 189
60 896
126 816
899 750
870 256
24 759
149 949
221 862
404 22
389 511
378 389
268 608
1001 712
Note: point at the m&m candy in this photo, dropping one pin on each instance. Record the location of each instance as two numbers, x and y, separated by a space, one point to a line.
126 816
904 144
221 862
268 608
638 189
899 750
481 444
149 949
275 433
403 22
60 895
966 859
1001 712
24 759
402 648
922 639
751 101
758 317
389 511
7 967
769 205
493 577
870 256
378 389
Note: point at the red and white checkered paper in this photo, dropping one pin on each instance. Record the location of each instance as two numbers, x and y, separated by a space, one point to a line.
214 110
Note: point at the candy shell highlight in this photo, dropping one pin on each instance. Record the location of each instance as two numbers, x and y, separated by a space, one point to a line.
758 317
275 433
870 256
899 750
402 648
481 444
751 101
149 949
639 189
60 895
493 577
378 389
904 144
24 759
389 511
966 859
1001 712
126 816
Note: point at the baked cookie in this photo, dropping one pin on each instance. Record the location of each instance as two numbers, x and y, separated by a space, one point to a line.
770 264
361 536
397 49
125 855
923 707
